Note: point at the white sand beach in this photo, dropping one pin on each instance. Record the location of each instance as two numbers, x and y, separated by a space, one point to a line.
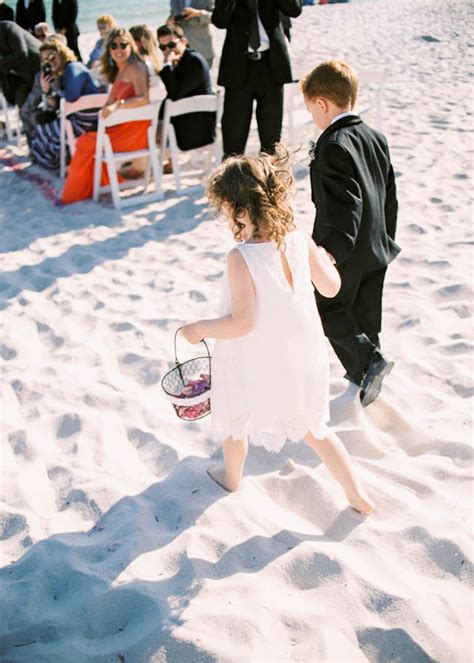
115 546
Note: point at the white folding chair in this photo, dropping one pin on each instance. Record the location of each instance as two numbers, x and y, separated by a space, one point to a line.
371 89
11 119
295 116
105 154
196 104
66 108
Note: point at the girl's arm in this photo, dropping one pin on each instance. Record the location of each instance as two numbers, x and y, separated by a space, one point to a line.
324 274
242 318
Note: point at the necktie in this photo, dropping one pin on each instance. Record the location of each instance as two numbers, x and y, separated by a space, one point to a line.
254 36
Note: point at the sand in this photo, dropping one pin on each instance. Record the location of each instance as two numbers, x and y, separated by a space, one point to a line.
115 545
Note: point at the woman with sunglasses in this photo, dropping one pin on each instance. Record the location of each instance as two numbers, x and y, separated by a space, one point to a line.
124 68
61 76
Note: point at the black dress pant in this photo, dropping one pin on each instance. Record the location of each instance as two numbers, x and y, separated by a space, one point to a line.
238 109
352 320
72 42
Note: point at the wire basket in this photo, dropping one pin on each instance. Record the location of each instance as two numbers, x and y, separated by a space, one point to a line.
188 385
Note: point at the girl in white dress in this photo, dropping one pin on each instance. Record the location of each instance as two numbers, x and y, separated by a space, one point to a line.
270 368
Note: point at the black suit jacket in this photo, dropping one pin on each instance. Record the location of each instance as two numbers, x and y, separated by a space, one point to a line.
6 13
189 78
353 188
235 16
65 16
19 60
28 18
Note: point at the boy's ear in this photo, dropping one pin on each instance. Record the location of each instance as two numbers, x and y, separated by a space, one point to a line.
322 104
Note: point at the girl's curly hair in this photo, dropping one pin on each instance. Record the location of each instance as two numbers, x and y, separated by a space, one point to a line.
259 185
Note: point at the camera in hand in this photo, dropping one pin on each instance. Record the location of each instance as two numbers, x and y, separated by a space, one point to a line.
178 18
46 69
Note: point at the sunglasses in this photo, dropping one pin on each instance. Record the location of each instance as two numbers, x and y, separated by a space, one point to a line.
123 45
170 44
49 58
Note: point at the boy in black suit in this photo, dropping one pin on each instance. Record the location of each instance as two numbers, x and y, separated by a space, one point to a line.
353 188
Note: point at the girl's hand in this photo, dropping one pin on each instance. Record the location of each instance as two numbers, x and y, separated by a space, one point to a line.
193 333
109 109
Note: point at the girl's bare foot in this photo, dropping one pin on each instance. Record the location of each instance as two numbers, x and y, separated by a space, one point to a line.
218 473
361 503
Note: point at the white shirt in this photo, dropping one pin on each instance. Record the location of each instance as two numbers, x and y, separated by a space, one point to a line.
264 39
341 115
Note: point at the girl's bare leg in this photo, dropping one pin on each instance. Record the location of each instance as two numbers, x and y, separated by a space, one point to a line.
334 455
229 475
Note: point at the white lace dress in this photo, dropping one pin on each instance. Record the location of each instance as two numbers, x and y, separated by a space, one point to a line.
273 384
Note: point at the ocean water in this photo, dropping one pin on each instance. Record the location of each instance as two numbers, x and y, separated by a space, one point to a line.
126 12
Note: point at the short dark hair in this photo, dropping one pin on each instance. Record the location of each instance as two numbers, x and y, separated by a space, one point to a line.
170 30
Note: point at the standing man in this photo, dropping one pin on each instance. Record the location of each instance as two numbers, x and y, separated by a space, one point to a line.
64 19
353 188
29 13
19 62
254 66
6 12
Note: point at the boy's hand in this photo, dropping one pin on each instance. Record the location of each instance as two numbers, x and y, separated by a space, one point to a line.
193 333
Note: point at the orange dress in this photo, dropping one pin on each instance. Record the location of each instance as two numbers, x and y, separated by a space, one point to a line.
124 137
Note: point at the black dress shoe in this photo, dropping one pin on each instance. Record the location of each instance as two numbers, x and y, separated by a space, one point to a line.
372 383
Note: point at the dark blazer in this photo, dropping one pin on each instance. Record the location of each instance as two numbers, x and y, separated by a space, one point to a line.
19 60
189 78
65 16
28 18
6 13
353 188
235 16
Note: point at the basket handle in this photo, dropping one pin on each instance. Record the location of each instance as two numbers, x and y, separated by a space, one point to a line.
176 349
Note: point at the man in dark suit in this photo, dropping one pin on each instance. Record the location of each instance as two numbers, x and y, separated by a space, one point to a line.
254 66
29 14
186 74
19 62
6 12
64 19
353 188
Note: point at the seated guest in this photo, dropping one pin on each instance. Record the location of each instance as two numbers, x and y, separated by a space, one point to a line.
19 62
124 68
29 13
148 49
42 31
60 76
105 24
6 12
185 74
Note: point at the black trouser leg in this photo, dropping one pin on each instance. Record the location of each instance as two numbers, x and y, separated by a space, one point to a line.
341 325
269 112
73 44
236 119
368 304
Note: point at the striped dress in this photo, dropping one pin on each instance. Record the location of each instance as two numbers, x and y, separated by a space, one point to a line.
76 81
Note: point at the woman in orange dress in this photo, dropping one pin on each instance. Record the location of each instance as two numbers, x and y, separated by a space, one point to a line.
124 67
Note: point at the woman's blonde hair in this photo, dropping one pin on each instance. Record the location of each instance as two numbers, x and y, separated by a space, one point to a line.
259 185
109 68
57 46
147 39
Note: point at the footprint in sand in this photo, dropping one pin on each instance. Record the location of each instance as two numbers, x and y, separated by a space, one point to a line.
47 335
69 424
